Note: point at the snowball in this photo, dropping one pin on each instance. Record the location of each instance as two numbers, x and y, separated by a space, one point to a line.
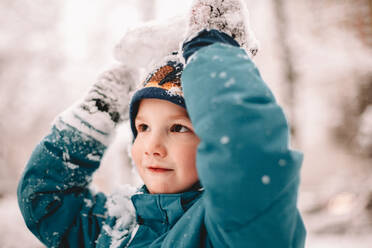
265 179
143 45
224 140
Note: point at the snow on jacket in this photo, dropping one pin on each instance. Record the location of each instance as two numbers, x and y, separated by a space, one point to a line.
249 174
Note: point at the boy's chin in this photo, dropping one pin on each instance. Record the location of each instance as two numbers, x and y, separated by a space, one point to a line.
163 190
169 189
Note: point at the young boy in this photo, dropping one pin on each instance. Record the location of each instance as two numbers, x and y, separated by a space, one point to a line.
213 152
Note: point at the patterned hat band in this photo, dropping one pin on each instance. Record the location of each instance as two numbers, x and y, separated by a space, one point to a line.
167 77
163 83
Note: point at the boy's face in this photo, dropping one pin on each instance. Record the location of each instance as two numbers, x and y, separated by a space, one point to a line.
164 150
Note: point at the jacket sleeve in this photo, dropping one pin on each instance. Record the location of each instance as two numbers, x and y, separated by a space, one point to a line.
53 193
244 161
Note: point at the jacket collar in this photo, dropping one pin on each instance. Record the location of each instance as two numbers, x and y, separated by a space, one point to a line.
159 211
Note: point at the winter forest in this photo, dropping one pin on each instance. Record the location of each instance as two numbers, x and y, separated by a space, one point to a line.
315 55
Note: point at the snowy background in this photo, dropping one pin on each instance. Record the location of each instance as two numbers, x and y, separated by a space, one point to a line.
316 56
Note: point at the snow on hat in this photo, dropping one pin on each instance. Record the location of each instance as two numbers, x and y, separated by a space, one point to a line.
162 83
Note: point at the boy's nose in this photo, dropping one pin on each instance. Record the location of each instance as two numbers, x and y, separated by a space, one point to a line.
155 146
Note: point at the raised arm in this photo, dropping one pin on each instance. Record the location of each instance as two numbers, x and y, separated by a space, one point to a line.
245 163
53 194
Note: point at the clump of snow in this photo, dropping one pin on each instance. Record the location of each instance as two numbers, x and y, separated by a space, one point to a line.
145 45
265 179
120 206
156 39
224 140
229 16
93 157
88 203
65 156
71 165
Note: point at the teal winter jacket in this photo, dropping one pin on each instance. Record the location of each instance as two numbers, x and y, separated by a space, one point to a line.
249 173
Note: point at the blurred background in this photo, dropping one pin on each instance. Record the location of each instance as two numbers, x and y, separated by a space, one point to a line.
316 56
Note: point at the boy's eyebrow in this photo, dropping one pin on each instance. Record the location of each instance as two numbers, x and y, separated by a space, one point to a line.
180 116
138 117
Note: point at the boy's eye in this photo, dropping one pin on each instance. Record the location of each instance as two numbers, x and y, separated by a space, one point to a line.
142 128
179 129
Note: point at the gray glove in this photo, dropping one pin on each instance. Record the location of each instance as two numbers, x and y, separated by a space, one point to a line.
228 16
104 107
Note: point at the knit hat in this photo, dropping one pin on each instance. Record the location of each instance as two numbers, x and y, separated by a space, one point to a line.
162 83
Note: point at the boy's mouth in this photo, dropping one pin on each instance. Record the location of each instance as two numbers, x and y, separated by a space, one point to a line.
157 169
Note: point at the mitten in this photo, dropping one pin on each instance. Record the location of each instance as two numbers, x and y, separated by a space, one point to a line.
104 106
150 42
227 16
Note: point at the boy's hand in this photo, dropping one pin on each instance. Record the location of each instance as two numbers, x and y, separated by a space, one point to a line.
147 44
227 16
110 94
105 106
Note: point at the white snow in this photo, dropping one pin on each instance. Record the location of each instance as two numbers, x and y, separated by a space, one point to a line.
65 156
146 44
119 205
230 82
324 65
265 179
222 74
88 203
224 140
93 157
71 165
230 16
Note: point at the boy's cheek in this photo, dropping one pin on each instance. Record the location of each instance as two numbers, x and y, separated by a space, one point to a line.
135 153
